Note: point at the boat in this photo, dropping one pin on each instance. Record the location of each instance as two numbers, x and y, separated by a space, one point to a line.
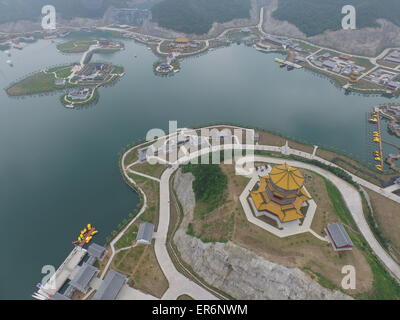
85 236
290 67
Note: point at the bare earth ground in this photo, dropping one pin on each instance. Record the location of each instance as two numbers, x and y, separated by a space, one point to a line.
141 265
274 140
325 214
149 277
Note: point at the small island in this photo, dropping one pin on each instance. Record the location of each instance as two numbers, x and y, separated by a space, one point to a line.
166 68
83 45
79 81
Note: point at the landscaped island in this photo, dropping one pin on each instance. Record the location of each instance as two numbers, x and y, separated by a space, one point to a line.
80 82
83 45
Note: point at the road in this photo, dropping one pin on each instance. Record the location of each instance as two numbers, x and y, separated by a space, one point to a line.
350 194
353 201
179 284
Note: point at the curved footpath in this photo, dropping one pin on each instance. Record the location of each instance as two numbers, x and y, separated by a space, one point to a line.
353 200
350 195
179 284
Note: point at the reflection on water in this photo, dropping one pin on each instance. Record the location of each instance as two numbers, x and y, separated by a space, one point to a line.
59 167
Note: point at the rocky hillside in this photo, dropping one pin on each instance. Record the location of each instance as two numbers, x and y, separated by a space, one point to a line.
238 271
364 41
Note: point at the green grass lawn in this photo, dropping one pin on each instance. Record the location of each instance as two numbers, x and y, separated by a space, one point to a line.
76 46
363 62
128 238
118 70
306 46
384 286
38 83
61 72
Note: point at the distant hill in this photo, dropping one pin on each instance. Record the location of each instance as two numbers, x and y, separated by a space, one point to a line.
197 16
12 10
314 17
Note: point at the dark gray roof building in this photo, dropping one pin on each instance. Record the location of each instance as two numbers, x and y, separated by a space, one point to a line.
111 286
339 238
145 233
96 251
82 278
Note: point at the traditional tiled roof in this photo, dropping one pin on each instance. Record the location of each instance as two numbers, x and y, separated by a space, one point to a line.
286 177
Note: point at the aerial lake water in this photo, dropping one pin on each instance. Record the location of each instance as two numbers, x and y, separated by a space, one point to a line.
59 167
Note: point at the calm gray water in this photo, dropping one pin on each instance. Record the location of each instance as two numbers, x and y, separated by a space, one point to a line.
58 167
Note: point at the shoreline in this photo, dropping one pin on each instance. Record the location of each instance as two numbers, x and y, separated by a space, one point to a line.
328 168
155 43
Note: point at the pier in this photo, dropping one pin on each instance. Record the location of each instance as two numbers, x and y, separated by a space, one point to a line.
288 63
378 111
63 273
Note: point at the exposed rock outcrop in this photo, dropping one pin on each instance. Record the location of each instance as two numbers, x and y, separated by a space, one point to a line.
366 41
238 271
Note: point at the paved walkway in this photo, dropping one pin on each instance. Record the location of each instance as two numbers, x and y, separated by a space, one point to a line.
144 175
392 188
128 293
290 228
353 201
179 284
350 195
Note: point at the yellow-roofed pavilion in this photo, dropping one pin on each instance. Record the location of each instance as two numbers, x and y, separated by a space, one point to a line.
182 40
281 193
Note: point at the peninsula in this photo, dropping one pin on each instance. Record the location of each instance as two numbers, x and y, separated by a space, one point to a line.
201 229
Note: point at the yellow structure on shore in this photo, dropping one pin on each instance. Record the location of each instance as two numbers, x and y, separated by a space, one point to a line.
281 193
354 76
182 40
